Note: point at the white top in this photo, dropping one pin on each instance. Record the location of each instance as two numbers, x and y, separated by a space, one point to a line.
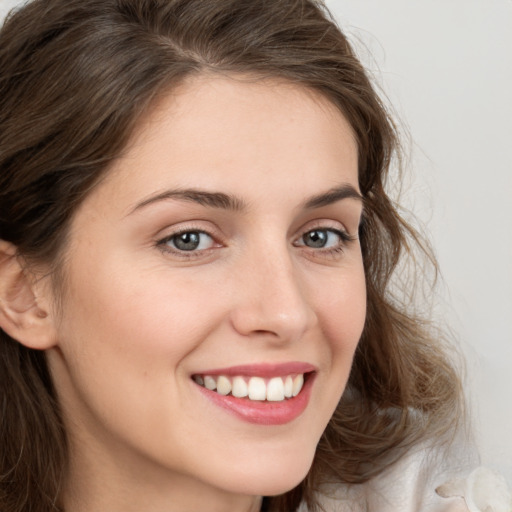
422 482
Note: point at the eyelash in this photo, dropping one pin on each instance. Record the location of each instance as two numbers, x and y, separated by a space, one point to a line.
344 239
344 236
187 255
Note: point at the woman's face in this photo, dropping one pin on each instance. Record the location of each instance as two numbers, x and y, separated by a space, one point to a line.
220 250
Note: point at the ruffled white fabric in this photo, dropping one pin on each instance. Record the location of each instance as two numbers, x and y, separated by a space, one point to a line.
483 491
410 486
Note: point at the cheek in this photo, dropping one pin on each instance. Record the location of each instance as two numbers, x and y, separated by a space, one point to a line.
341 309
136 310
125 341
123 337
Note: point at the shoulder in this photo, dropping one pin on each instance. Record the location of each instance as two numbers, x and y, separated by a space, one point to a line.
483 490
422 481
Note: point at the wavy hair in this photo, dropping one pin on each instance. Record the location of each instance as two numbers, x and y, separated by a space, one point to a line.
75 78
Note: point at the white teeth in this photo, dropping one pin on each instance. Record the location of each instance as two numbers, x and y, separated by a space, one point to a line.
240 389
298 382
275 390
223 385
257 388
209 382
288 387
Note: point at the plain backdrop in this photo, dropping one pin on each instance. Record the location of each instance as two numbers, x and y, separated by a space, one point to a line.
446 67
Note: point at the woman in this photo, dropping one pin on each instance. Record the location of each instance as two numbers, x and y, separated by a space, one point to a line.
196 257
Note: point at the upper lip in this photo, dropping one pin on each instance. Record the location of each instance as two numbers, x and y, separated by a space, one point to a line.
267 370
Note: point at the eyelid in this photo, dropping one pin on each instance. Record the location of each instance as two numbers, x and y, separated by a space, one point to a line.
328 225
202 226
187 227
176 236
331 252
344 236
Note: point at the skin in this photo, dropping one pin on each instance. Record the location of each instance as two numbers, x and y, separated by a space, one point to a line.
138 318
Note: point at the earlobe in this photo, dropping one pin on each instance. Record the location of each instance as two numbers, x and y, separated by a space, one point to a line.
21 316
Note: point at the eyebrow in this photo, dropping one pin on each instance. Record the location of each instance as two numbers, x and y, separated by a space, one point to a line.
233 203
202 197
345 191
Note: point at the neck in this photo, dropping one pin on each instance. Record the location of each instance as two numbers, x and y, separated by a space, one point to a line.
97 495
119 482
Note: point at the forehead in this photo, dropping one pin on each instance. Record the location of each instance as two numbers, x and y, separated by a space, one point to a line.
238 133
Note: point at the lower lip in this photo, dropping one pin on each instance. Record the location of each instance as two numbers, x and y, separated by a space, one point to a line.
263 412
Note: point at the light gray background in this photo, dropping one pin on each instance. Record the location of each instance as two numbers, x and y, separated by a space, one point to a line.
446 66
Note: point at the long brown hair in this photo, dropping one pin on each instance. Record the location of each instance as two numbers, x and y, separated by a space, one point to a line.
75 77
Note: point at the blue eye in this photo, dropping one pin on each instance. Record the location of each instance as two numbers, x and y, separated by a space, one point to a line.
323 238
190 241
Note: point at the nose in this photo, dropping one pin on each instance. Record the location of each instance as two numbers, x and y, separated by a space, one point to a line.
271 301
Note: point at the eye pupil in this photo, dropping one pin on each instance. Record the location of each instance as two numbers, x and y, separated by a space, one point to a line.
188 241
316 238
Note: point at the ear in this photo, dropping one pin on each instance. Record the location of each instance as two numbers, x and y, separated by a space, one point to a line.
23 315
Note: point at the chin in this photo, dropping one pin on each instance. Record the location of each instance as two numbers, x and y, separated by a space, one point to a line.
274 476
281 486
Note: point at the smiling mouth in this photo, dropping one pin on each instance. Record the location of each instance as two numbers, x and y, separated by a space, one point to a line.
275 389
